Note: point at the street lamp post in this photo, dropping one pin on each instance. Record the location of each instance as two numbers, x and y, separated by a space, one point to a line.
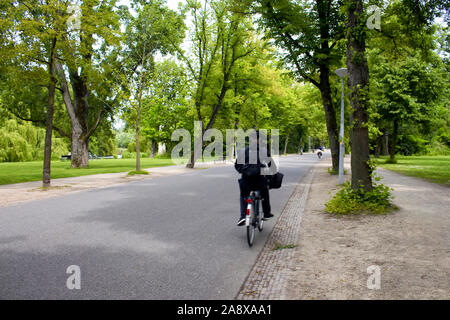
341 73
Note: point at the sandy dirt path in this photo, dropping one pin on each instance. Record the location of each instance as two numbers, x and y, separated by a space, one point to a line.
410 246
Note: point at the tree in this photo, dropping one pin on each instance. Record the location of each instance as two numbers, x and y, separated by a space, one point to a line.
166 106
147 34
83 69
22 141
358 83
219 40
408 78
407 91
30 44
309 34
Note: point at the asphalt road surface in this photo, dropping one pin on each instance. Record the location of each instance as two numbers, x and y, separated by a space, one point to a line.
173 237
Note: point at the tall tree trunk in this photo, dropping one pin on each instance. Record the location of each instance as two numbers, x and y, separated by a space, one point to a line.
358 83
286 143
138 129
46 172
330 117
393 142
323 10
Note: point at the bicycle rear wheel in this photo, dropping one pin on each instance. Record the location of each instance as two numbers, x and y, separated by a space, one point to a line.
251 228
260 217
250 235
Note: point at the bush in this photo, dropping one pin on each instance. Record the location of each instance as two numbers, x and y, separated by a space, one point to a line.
350 201
354 201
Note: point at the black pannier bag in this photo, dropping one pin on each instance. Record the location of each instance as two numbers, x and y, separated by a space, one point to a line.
275 181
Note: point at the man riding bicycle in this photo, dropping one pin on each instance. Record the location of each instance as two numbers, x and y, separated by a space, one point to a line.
254 163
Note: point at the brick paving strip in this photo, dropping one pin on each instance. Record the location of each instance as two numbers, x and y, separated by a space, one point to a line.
269 275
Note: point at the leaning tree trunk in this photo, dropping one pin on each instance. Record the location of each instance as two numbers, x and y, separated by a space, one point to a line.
79 147
46 172
324 85
330 116
80 121
78 111
358 83
80 133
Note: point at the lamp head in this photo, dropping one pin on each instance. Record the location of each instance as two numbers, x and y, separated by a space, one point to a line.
341 72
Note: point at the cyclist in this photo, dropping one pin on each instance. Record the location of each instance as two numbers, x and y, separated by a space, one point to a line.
253 174
319 152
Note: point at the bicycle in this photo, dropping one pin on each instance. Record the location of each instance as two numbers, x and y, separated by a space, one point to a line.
254 216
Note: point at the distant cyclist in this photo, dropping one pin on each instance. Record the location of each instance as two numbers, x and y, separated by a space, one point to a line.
249 165
319 152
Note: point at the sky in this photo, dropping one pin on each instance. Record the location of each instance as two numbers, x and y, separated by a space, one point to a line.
173 4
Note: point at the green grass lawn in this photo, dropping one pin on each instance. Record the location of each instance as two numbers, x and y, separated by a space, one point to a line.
432 168
14 172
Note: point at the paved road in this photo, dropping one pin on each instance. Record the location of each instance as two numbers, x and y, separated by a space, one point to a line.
167 238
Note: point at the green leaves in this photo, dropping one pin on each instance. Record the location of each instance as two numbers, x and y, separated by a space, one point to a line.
350 201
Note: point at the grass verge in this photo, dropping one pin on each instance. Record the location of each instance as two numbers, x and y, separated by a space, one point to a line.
15 172
431 168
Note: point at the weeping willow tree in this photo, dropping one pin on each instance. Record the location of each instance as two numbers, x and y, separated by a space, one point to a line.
25 142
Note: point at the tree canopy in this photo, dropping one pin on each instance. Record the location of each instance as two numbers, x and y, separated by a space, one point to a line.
81 70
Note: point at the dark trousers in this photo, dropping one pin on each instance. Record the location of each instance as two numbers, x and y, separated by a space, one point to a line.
247 185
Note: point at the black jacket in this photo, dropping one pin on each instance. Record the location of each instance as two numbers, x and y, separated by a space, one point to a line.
243 165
